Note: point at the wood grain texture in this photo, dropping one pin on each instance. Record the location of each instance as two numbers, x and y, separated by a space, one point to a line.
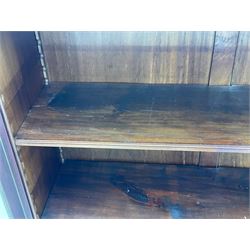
224 160
241 73
145 156
168 157
140 116
17 110
21 81
19 57
20 74
142 57
86 190
234 160
210 159
40 166
223 57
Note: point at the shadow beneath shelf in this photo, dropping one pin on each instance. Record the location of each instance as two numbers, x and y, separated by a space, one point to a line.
90 189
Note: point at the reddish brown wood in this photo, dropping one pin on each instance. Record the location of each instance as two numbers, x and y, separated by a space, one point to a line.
98 190
140 116
142 57
147 156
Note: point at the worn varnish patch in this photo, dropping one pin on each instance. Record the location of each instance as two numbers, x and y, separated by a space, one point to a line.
151 97
89 189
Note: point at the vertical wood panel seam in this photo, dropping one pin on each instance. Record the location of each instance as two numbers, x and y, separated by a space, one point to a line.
235 53
211 62
218 160
199 159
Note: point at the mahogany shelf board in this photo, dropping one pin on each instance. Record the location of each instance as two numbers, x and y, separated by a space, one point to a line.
140 116
86 189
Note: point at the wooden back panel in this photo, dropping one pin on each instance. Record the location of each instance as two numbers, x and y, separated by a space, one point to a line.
144 57
167 157
241 73
148 57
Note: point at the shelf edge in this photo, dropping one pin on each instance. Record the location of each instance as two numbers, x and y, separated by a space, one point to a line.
136 146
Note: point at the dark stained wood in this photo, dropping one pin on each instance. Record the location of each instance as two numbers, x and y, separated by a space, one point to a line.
40 166
96 190
140 116
20 75
137 57
18 53
241 73
146 156
169 157
209 159
34 82
21 81
17 109
45 182
223 57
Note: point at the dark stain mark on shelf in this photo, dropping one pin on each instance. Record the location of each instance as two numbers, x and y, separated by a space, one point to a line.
139 196
134 97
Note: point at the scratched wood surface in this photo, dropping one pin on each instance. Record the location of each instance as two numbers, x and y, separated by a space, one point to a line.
140 116
241 73
86 189
144 57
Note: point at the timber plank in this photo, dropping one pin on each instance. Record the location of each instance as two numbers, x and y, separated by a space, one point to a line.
142 57
241 73
86 189
223 57
140 116
143 156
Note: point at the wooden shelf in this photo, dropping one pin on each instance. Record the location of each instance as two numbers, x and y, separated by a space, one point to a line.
87 189
140 116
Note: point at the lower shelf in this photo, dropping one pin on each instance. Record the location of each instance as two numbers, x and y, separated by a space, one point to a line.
87 189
